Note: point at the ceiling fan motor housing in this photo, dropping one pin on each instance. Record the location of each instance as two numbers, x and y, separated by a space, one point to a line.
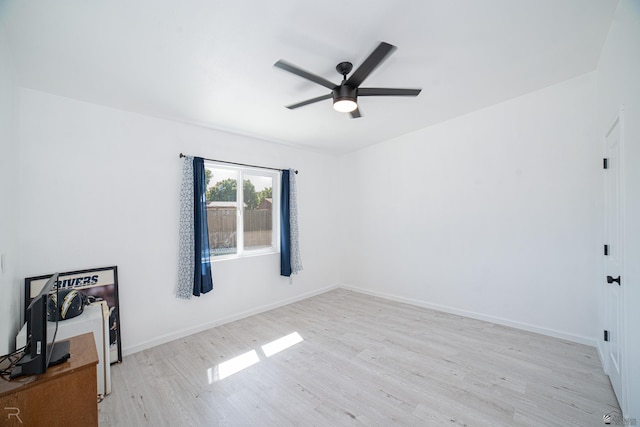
344 92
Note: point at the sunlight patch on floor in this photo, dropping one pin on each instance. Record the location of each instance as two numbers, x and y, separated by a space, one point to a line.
280 344
232 366
243 361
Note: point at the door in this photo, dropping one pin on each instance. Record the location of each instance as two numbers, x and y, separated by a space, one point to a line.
613 281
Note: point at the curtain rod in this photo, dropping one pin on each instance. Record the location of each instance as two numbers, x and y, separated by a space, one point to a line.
239 164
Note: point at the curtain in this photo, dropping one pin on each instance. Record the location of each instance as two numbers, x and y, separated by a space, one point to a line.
202 280
186 238
285 229
194 267
296 261
290 261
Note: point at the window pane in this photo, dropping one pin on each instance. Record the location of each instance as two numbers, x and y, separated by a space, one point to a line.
242 213
222 210
258 211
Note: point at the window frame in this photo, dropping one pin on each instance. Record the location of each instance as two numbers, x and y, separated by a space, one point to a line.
242 171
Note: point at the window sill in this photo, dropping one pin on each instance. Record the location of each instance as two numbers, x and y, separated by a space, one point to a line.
246 254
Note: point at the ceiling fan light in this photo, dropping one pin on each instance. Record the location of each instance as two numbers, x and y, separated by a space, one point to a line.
345 105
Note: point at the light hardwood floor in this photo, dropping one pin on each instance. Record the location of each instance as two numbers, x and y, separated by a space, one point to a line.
362 361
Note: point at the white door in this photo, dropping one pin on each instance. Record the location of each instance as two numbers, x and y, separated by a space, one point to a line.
613 256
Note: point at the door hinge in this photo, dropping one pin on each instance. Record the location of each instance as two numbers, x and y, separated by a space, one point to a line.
606 336
605 163
606 249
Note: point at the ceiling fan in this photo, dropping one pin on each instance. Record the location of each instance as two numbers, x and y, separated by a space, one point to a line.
345 94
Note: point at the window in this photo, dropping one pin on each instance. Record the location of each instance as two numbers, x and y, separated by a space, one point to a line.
246 228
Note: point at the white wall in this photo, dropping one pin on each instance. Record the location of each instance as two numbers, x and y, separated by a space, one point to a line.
100 187
618 83
493 215
9 282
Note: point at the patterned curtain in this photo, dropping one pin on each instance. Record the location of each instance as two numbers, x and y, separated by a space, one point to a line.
290 261
186 264
194 268
296 261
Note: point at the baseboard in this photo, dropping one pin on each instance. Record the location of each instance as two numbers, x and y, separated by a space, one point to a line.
217 322
478 316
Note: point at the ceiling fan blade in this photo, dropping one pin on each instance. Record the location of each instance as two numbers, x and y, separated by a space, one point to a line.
355 114
309 101
382 91
284 65
376 58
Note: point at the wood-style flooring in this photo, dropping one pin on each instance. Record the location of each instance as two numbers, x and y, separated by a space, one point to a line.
354 359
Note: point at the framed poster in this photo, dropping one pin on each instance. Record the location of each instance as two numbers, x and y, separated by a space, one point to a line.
100 283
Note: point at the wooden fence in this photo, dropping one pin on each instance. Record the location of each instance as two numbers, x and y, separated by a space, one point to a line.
222 224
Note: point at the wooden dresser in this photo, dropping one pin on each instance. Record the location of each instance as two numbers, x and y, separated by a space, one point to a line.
63 396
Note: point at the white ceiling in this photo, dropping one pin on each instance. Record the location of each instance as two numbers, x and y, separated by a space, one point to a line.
210 62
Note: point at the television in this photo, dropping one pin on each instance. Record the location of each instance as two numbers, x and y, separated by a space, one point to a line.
39 353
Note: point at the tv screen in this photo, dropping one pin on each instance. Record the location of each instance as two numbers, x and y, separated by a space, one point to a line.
39 353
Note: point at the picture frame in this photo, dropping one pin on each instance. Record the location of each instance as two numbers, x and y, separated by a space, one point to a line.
101 283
